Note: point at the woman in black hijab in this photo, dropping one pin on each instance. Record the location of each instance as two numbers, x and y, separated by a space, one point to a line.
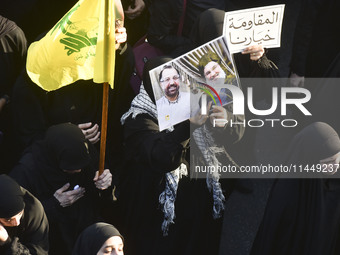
165 211
61 172
99 239
23 223
150 155
302 216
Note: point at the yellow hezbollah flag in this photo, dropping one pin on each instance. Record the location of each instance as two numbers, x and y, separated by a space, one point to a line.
80 46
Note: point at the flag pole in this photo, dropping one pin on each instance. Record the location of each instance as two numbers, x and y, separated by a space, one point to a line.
105 105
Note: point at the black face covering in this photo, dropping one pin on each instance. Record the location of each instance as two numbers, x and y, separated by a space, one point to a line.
11 197
314 143
151 64
63 149
92 238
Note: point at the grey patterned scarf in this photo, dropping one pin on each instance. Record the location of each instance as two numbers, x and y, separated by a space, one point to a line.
206 144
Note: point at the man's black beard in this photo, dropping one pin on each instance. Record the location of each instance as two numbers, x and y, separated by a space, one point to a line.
174 94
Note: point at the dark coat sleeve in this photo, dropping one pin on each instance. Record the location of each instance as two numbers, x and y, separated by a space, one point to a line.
32 235
162 151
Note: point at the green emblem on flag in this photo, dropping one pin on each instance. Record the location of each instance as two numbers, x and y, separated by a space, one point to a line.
74 41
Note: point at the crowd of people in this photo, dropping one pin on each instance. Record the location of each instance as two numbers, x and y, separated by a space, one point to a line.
53 199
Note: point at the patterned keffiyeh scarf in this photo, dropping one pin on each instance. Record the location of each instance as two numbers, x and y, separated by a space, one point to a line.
206 144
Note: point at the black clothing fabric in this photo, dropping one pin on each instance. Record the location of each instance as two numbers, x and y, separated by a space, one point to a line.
316 41
39 171
31 236
93 237
35 16
150 154
324 104
165 18
13 47
302 215
163 26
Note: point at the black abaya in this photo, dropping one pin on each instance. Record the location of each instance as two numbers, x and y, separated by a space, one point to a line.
302 215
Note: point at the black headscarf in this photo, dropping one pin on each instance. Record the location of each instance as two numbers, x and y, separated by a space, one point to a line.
151 64
314 143
11 197
92 238
63 148
66 145
206 59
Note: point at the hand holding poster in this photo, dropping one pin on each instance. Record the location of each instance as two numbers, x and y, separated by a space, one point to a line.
253 26
185 87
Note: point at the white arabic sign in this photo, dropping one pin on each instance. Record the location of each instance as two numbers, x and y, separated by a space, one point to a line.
253 26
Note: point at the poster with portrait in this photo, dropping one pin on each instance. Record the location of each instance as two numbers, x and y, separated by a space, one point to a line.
190 84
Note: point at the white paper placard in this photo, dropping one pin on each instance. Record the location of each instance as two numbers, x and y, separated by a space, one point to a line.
253 26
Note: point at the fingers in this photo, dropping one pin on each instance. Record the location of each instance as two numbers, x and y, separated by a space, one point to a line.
70 197
199 119
96 176
255 51
252 49
95 139
106 175
121 30
217 108
85 125
121 35
296 80
91 133
209 106
219 112
104 180
63 188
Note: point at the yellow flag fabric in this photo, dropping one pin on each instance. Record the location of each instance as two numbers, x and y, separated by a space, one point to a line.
80 46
